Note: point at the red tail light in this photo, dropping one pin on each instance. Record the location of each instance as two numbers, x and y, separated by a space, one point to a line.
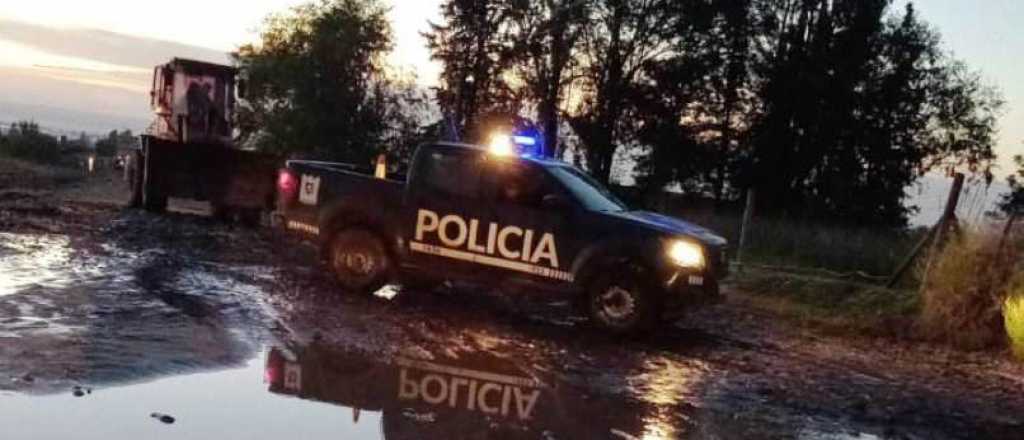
273 374
287 185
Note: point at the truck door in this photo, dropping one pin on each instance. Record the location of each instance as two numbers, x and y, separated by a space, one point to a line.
444 213
535 237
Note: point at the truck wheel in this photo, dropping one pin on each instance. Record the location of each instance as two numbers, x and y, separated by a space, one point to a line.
154 201
622 302
359 260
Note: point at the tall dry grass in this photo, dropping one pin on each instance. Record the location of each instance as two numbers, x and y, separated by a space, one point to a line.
1013 315
783 242
965 291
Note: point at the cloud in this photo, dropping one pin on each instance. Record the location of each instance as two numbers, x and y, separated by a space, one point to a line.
104 46
84 79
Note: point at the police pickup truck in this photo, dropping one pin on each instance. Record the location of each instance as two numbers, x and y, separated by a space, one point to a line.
496 219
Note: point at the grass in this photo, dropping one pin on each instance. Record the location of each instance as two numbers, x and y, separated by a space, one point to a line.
20 173
785 242
840 306
1013 314
789 242
965 291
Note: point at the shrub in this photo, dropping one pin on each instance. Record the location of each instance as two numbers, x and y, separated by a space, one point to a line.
25 141
964 293
1013 313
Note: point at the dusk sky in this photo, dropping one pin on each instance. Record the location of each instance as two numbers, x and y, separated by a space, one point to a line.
112 70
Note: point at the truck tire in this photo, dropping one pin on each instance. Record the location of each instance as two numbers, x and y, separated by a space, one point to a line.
359 260
622 302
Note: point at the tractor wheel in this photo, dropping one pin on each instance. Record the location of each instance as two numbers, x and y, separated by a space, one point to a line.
153 199
135 179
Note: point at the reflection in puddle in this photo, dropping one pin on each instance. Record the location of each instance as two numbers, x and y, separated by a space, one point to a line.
317 392
479 396
230 404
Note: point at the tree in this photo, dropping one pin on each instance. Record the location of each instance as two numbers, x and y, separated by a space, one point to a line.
25 140
107 146
83 141
475 49
694 103
317 83
855 105
547 35
1012 203
622 37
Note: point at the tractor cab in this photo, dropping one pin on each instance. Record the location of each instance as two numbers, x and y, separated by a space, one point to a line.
193 102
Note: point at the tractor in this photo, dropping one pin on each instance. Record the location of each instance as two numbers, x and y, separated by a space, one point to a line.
189 152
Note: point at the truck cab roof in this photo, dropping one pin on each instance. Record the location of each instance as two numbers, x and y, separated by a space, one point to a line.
543 161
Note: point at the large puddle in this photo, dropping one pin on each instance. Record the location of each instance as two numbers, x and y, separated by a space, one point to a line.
40 261
113 316
229 404
316 392
93 344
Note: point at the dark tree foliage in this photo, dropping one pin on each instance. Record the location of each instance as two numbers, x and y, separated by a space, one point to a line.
475 49
317 85
854 107
1012 203
830 109
693 107
24 140
547 35
623 37
115 140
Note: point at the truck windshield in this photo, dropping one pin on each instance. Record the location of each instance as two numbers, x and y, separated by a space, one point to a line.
588 191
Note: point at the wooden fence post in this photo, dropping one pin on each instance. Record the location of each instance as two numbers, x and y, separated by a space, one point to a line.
748 213
948 219
936 234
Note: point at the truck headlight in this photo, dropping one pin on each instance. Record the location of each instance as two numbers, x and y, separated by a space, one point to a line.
686 254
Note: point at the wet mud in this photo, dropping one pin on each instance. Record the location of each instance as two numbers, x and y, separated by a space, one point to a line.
109 315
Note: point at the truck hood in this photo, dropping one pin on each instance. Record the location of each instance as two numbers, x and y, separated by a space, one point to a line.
670 225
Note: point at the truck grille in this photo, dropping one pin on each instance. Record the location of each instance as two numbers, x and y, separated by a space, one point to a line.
718 261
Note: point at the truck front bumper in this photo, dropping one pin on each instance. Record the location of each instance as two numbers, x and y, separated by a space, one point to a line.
686 291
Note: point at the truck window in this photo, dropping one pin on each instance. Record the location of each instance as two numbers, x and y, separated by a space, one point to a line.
519 184
591 194
452 174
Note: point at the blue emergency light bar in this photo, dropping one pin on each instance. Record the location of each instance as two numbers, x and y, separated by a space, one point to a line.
504 145
524 140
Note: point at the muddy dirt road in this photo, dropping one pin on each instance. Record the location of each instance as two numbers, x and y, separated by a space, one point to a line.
112 318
